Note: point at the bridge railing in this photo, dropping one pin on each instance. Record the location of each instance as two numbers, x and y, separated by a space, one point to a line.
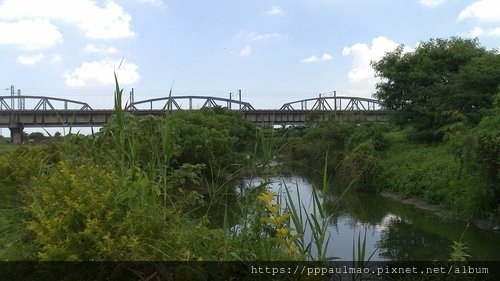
339 103
188 102
37 103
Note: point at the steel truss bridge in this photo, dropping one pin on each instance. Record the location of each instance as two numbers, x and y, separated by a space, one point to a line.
18 112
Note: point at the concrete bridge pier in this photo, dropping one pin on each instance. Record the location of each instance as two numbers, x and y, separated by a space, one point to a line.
16 133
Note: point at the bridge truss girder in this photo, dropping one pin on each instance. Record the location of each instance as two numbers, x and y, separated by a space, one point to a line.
41 103
173 103
335 104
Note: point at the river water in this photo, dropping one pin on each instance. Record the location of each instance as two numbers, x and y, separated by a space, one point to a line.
394 231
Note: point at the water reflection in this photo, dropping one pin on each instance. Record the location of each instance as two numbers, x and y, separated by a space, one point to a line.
394 231
401 241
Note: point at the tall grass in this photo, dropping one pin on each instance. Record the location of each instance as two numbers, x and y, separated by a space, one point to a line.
433 173
6 148
121 186
316 221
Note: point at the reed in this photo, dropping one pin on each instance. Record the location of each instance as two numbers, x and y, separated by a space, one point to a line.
315 220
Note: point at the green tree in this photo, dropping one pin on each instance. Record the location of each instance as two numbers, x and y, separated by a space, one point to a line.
4 140
36 136
443 81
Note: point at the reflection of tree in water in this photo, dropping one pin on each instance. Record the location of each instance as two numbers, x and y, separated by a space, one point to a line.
401 241
423 236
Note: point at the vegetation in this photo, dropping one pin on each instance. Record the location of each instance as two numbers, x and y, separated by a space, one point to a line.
4 140
460 173
439 96
144 188
446 91
152 188
444 142
4 144
442 82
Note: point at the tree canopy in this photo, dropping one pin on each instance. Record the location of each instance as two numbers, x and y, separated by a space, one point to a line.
441 82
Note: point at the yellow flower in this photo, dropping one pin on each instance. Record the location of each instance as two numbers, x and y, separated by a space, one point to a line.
266 197
281 219
292 249
283 231
268 220
274 209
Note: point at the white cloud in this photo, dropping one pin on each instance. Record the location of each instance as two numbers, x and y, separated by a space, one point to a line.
100 49
478 31
483 10
493 31
32 34
362 76
326 57
30 59
431 3
246 51
275 11
254 36
98 73
310 59
106 22
55 59
314 58
157 3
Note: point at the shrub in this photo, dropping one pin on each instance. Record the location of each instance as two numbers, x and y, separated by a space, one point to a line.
364 132
361 167
77 212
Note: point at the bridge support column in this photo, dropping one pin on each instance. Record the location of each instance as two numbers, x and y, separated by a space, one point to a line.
16 133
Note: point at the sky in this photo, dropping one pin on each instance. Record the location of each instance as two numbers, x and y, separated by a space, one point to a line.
275 51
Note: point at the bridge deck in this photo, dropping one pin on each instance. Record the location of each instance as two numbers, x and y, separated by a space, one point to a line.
77 118
18 112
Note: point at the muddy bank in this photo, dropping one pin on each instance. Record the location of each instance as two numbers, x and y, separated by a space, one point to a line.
438 210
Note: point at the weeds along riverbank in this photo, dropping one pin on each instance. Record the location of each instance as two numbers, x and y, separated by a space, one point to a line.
460 172
144 188
150 191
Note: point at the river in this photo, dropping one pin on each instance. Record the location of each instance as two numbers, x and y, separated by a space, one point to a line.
394 231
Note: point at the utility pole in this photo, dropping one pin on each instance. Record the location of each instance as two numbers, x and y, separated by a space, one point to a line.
335 104
12 94
19 100
16 128
131 98
239 93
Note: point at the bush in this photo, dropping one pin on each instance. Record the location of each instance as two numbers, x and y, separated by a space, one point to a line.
446 174
361 167
216 140
84 212
74 216
327 138
373 132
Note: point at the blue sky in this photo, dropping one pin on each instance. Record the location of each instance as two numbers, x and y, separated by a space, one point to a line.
275 51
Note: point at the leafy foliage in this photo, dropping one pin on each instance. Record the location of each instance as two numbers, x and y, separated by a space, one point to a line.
205 137
443 81
361 167
4 140
134 191
80 212
434 173
312 144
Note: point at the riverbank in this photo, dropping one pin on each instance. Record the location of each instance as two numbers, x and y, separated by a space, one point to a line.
434 173
394 230
437 210
373 157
